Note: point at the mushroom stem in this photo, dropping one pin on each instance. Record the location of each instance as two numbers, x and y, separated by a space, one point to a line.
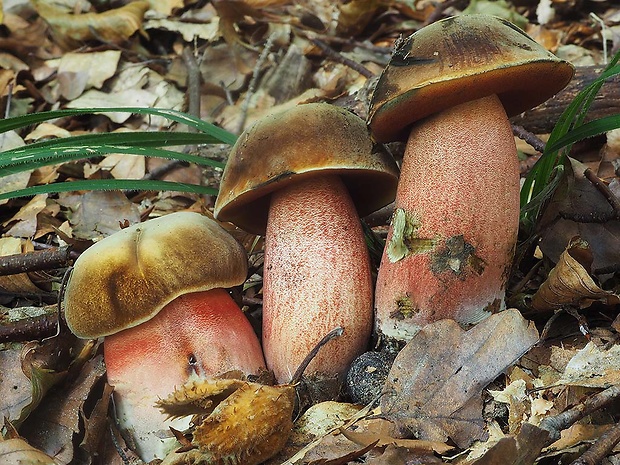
454 229
147 362
316 277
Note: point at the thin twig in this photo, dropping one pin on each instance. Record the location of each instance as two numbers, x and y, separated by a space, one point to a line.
193 85
59 257
30 329
601 448
334 333
254 81
530 138
556 424
603 189
338 58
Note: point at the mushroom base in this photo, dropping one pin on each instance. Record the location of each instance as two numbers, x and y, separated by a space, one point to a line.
197 335
452 238
316 277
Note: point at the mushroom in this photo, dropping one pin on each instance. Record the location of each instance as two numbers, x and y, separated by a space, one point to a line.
156 292
302 178
449 89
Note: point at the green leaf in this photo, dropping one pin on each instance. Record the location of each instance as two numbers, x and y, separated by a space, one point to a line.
110 184
180 117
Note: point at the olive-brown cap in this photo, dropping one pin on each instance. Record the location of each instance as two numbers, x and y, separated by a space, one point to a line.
307 140
128 277
459 59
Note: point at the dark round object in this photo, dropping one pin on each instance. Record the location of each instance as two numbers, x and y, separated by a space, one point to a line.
366 376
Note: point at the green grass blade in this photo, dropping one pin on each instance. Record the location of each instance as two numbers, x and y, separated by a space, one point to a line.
55 155
109 184
173 115
585 131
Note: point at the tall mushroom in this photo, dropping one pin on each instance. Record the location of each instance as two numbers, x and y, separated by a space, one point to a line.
448 90
156 292
302 177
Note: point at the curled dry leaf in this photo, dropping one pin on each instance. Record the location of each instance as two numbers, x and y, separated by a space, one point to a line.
17 451
434 388
237 422
114 26
593 367
570 283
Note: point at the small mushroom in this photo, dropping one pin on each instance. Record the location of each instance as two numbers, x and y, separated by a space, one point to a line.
156 292
302 178
449 89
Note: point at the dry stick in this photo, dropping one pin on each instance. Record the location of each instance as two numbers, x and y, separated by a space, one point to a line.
310 35
531 139
334 333
30 329
337 57
556 424
38 260
601 448
603 189
254 81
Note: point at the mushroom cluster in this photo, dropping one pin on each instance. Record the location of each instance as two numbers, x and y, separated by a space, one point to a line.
449 90
156 292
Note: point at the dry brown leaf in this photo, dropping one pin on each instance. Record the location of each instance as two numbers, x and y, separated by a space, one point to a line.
245 422
593 367
434 387
570 283
379 440
114 26
578 209
78 72
18 452
21 282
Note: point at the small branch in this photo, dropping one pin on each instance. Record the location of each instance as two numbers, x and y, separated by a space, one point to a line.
193 85
338 58
603 189
30 329
558 423
601 448
530 138
334 333
38 260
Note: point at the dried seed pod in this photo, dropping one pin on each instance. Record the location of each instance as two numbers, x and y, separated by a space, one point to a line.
246 423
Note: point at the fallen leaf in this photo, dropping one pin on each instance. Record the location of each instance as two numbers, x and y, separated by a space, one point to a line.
78 72
578 209
18 452
593 367
570 283
434 387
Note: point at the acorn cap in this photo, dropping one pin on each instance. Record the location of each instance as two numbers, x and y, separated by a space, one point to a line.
307 140
128 277
460 59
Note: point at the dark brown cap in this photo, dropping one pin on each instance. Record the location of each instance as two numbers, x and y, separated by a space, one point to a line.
460 59
308 140
128 277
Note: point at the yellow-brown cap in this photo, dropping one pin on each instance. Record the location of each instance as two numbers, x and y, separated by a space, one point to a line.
307 140
459 59
128 277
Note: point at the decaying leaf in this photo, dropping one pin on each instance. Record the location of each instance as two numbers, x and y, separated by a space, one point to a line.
365 439
570 283
17 452
593 367
237 422
578 208
434 388
114 26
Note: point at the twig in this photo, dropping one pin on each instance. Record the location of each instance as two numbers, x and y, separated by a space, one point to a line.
334 333
30 329
338 58
603 189
530 138
601 448
438 11
311 35
38 260
255 75
193 85
558 423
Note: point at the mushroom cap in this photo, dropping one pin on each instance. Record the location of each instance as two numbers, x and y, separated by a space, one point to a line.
459 59
308 140
128 277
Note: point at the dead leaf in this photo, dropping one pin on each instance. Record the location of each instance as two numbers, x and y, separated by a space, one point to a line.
570 283
578 209
19 452
593 367
366 439
115 25
21 282
434 387
78 72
